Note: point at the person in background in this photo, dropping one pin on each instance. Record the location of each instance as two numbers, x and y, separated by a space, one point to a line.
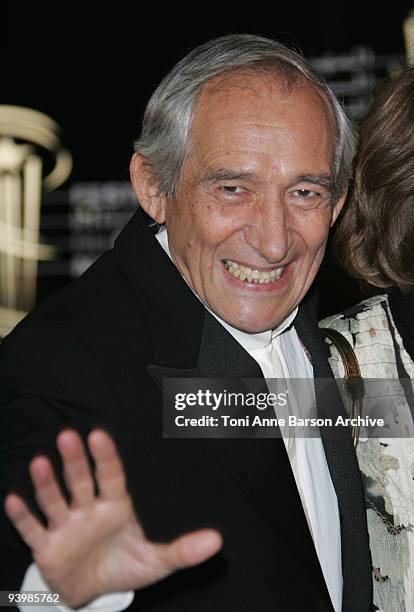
375 244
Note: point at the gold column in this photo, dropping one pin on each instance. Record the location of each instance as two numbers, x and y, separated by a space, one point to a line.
32 179
408 28
22 181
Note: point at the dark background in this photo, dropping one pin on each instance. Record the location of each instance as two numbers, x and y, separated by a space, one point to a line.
93 72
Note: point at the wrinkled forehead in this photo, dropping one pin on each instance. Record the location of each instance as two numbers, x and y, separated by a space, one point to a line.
234 101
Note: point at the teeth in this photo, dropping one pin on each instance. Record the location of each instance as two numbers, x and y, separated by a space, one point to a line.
252 275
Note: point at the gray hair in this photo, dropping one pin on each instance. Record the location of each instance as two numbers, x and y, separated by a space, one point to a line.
164 139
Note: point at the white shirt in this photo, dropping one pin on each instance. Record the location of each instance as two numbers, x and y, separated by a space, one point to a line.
280 355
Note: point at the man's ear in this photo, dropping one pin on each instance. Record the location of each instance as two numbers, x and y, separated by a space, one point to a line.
146 188
337 207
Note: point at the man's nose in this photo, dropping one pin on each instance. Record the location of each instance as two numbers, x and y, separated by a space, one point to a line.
268 232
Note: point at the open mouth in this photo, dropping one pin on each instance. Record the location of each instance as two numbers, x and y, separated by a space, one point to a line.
253 275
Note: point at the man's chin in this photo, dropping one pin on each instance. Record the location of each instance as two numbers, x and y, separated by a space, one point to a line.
248 319
254 326
255 329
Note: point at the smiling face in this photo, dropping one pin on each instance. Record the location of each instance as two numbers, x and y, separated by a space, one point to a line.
249 223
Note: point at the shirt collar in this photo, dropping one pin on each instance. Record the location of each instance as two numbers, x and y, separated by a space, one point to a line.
249 342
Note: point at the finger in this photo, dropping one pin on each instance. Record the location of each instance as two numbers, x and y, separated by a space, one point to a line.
189 549
109 469
28 526
77 472
47 491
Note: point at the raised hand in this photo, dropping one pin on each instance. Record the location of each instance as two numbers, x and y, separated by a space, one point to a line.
96 545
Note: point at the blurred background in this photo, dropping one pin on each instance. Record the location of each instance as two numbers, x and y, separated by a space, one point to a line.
64 187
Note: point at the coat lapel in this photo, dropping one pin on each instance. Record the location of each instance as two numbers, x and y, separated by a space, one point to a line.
343 467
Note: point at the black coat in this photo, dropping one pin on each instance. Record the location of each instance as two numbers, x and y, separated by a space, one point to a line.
94 354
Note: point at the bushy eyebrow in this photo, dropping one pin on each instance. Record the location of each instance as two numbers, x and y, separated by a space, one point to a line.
226 174
324 180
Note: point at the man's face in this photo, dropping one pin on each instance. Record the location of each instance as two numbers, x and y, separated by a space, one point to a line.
249 224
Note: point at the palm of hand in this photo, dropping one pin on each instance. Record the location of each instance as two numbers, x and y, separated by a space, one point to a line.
96 544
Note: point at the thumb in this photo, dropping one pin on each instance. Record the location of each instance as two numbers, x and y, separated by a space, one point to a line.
190 549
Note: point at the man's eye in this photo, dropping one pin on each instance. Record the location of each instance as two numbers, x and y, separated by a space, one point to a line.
232 189
306 193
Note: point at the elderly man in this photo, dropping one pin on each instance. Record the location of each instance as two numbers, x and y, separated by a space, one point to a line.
243 161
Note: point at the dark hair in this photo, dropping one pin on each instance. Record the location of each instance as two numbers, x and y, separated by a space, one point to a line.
375 236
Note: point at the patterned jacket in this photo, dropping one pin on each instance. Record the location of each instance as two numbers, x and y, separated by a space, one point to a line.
386 464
